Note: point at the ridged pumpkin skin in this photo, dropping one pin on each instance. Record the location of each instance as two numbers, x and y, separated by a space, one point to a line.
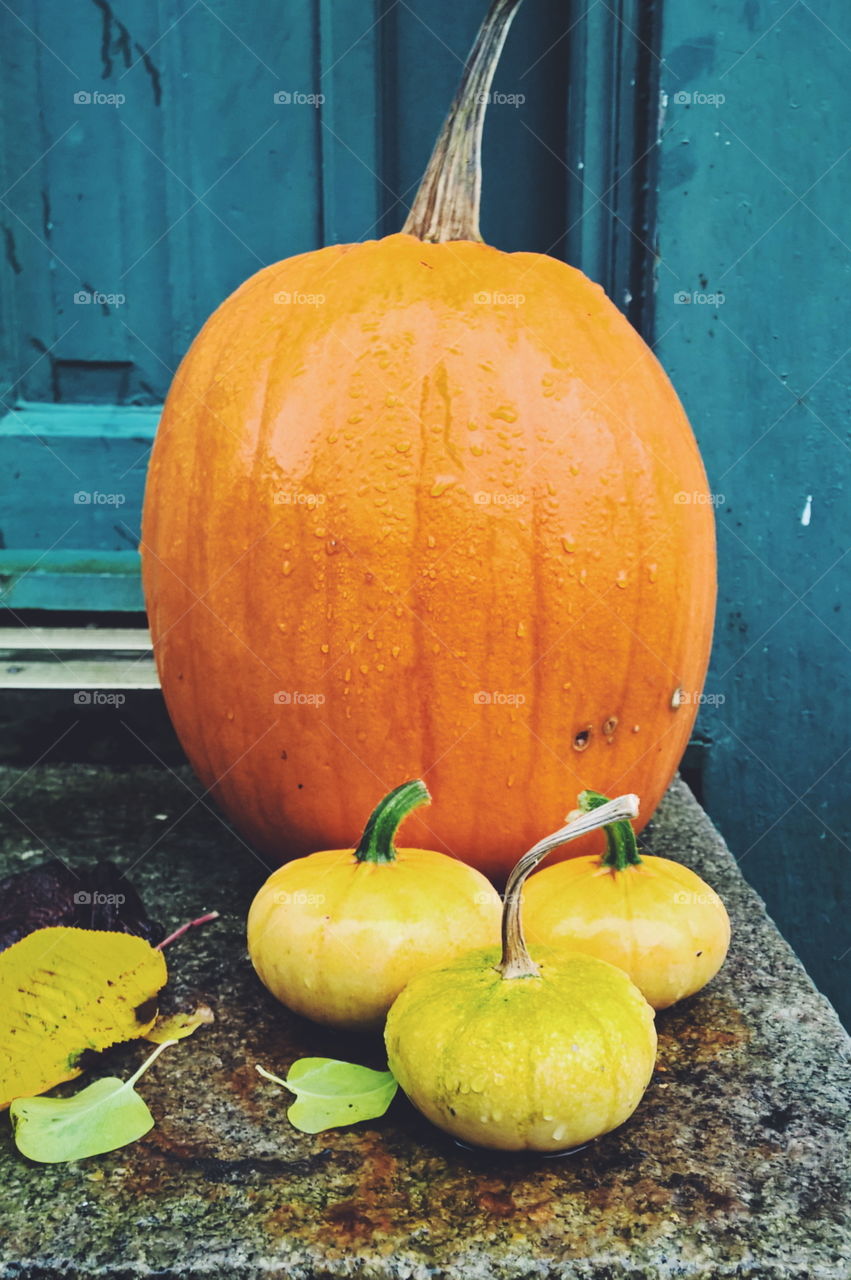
540 1064
460 522
659 921
336 940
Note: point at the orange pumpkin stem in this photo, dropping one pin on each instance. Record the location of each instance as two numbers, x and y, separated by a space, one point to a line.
446 206
516 961
376 843
621 844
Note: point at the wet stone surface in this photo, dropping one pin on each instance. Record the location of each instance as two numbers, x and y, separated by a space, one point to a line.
734 1165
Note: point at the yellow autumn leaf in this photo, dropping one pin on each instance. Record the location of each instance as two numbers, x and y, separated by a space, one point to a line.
177 1026
65 990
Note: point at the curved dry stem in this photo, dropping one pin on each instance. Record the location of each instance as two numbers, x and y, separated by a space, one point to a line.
516 961
446 206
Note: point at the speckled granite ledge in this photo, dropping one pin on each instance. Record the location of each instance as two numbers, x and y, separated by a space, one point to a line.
735 1164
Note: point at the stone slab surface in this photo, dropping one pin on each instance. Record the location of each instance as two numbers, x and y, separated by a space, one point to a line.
734 1165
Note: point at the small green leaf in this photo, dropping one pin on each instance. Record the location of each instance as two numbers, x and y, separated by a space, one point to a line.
107 1114
331 1093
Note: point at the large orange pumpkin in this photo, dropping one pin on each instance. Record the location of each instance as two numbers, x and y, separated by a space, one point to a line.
418 507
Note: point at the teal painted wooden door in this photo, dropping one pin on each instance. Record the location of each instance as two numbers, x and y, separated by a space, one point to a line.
752 323
672 150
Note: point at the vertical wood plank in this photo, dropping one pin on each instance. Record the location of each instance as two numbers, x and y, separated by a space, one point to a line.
349 61
753 232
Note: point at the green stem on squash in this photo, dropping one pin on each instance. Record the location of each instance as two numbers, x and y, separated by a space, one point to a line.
446 207
621 844
516 961
376 843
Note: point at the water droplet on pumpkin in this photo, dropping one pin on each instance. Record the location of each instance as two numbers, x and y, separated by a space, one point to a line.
521 629
332 439
364 669
621 580
230 715
476 450
432 541
436 648
569 543
395 651
287 568
354 418
320 532
505 413
441 484
325 647
509 782
636 728
402 446
574 470
380 666
347 675
652 572
390 400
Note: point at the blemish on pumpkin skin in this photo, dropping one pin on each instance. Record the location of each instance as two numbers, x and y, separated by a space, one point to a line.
582 738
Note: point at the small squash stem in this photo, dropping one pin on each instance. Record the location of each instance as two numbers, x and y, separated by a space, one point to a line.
446 207
190 924
376 843
621 844
149 1061
516 961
